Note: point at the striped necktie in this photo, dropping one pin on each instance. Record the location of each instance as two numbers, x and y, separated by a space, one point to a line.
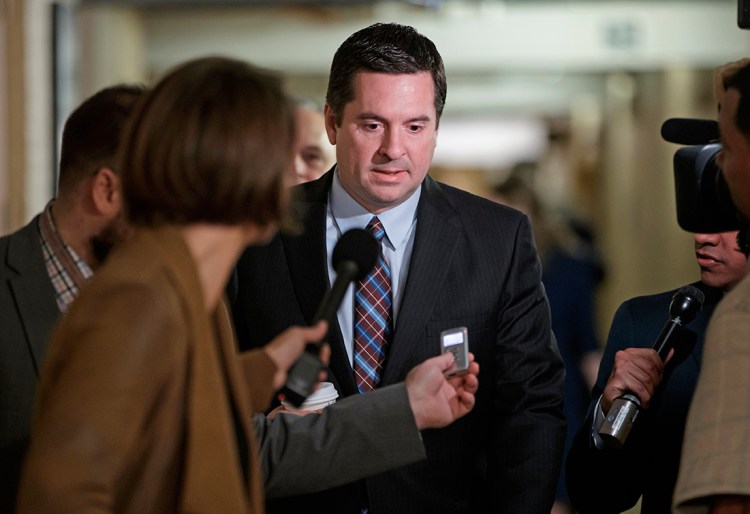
372 317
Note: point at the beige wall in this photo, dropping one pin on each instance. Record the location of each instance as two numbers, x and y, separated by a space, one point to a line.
645 249
12 115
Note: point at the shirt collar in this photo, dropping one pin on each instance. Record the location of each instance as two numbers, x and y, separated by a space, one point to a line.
74 265
349 214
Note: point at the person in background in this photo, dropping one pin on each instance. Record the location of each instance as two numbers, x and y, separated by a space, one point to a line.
44 264
313 154
449 259
570 278
713 476
144 405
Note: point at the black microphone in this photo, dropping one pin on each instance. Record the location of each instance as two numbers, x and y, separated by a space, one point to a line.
353 257
684 307
689 131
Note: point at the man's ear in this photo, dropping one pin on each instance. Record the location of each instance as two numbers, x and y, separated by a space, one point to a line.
330 121
106 192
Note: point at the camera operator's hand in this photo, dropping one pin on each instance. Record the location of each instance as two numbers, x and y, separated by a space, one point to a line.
437 401
636 370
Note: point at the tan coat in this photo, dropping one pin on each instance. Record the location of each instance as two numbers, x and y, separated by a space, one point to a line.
716 448
138 396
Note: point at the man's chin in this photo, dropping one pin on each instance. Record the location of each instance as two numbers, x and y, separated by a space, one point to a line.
713 279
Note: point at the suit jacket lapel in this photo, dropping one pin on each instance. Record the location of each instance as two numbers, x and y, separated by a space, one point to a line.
308 265
32 290
435 243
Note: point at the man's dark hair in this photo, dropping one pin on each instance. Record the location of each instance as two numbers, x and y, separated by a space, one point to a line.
383 48
741 82
92 133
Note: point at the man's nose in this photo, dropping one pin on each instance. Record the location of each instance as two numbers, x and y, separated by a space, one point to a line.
392 144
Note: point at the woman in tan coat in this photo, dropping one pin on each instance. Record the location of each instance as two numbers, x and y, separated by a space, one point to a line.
144 404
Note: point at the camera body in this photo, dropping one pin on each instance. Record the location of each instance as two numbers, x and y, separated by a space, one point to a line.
703 201
743 14
702 196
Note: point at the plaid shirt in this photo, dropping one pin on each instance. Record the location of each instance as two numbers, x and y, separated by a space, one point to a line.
67 271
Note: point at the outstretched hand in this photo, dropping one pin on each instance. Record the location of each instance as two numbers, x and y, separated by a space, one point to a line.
437 401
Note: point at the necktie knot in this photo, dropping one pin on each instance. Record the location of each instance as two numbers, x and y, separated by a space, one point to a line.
375 228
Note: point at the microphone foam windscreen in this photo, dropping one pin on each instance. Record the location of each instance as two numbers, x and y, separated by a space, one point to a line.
688 131
693 292
687 303
359 246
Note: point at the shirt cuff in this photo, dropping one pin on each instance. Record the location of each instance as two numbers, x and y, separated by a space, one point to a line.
599 417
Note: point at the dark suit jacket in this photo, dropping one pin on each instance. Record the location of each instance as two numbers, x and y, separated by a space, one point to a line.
28 311
611 481
473 264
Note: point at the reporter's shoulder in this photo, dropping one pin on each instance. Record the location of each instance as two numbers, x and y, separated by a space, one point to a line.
138 282
126 303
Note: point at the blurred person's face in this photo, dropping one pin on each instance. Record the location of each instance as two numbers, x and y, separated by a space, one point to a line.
105 190
734 157
721 262
313 154
387 137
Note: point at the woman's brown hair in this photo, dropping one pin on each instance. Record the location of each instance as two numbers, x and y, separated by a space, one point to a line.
212 142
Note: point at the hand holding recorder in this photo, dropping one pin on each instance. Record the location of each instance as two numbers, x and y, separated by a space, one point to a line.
437 400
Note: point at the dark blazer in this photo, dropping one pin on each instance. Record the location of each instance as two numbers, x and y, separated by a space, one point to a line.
28 310
611 481
473 264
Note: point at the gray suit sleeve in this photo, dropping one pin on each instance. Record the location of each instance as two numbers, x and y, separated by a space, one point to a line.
354 438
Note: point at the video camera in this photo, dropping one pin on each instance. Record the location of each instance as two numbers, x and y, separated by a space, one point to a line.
704 204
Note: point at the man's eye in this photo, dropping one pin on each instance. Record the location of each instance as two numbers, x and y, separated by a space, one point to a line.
312 155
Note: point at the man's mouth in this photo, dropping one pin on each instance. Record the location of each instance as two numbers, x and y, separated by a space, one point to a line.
706 260
388 171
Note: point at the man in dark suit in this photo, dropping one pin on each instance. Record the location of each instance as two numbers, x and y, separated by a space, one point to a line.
602 481
450 259
44 264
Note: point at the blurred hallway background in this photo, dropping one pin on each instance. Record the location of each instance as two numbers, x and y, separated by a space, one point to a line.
574 90
578 89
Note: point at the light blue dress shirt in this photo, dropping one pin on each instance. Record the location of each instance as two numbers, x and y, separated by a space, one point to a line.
400 223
